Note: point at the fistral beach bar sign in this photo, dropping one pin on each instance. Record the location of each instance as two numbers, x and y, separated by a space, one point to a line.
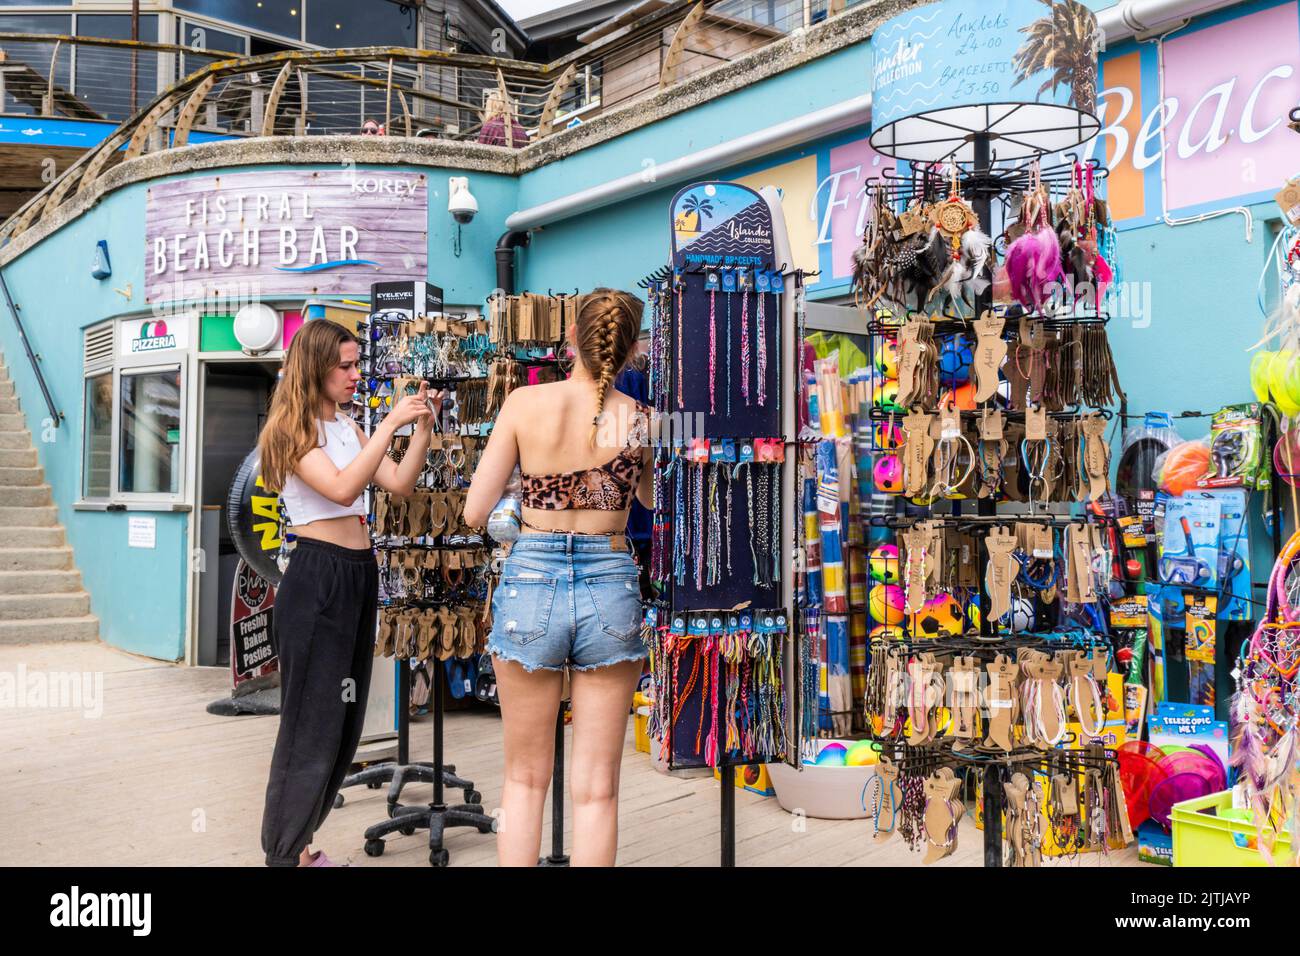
284 232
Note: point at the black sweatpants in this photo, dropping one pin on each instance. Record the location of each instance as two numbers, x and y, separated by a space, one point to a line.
324 628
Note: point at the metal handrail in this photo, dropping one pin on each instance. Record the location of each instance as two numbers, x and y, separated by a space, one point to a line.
524 84
55 415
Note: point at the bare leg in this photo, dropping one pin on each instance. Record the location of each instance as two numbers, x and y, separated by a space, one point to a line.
529 705
602 699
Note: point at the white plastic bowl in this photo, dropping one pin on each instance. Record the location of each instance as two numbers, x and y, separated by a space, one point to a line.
823 792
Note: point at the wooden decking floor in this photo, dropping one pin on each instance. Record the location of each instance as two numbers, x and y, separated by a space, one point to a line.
155 780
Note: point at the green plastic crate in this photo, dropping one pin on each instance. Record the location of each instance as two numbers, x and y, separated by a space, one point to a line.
1203 838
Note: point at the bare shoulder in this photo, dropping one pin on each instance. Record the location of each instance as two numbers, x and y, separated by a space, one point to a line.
527 400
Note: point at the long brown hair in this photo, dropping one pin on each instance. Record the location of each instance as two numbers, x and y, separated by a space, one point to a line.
290 430
607 327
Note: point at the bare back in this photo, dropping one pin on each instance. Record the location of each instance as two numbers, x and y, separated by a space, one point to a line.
552 428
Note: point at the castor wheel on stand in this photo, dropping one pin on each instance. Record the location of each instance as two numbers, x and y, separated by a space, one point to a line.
407 831
374 848
439 857
473 796
338 800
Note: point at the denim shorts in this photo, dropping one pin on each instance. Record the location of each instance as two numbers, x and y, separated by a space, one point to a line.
567 600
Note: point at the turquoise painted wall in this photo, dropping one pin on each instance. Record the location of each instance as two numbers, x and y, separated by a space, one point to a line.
139 594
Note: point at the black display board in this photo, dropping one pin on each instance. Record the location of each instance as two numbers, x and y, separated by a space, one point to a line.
723 257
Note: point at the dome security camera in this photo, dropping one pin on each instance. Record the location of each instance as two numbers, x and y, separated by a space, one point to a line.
460 201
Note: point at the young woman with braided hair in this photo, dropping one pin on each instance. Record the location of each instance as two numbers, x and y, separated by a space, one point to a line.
569 593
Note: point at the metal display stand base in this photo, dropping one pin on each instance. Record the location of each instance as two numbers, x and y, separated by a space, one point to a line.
436 817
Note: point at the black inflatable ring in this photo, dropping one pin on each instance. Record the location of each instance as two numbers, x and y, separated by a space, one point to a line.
252 515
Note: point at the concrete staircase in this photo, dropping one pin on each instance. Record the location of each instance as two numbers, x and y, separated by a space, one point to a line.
41 597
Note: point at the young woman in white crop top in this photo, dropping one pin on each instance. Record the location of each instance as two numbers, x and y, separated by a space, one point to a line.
325 607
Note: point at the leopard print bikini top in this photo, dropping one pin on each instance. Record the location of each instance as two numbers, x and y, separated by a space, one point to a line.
607 487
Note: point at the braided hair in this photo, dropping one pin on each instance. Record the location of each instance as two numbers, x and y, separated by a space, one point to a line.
608 323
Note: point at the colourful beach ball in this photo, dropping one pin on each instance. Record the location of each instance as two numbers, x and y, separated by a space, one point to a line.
832 755
885 602
955 361
885 632
942 613
882 563
888 436
887 474
887 358
963 397
863 753
885 396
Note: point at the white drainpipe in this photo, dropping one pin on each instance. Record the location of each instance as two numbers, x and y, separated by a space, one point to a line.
1129 18
1120 22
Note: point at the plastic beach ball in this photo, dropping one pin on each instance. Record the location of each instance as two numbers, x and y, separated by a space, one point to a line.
962 397
1260 366
941 613
887 358
885 396
1021 614
955 361
886 632
885 602
887 474
882 563
1184 467
1279 371
832 755
863 753
888 436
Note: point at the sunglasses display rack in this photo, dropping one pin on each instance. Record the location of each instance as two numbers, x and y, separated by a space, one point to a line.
720 633
434 571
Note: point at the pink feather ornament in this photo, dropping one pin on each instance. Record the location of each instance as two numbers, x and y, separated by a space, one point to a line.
1033 265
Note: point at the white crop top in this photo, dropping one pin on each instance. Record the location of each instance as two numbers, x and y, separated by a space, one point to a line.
301 500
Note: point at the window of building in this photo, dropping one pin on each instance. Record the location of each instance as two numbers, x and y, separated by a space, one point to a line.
103 74
280 17
200 36
97 412
342 23
149 431
97 447
25 70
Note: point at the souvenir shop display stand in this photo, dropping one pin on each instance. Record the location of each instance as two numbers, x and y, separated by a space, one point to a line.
433 569
721 364
974 146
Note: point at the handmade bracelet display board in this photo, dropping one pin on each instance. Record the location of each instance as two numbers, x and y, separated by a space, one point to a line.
720 635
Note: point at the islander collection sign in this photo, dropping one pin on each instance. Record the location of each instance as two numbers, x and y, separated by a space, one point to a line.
284 232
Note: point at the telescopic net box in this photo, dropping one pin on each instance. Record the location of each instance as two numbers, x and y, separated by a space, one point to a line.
410 298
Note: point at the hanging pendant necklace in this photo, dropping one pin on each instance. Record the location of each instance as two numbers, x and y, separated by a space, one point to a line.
715 530
762 350
729 337
713 351
698 549
680 296
744 345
